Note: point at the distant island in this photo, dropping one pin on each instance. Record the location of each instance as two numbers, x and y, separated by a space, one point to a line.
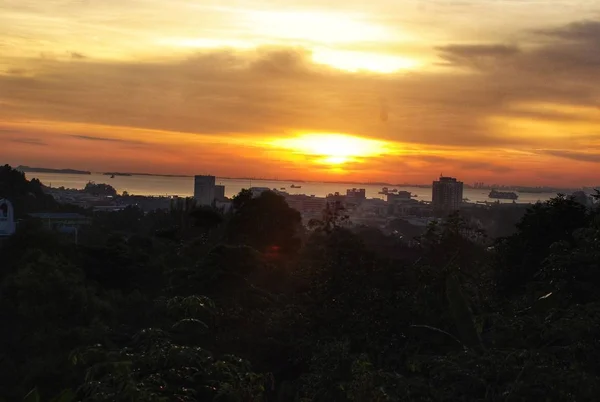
28 169
117 174
143 174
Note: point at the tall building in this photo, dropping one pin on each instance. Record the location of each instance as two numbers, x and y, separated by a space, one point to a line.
204 189
219 192
447 194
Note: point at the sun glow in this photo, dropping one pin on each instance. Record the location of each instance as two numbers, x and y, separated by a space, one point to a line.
316 27
354 61
333 149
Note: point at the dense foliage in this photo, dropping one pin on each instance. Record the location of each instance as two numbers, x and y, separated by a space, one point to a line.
191 304
25 195
100 189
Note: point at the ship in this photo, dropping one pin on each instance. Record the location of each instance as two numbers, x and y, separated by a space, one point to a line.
501 195
295 186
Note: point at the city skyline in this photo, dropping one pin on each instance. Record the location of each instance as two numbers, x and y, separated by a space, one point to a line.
348 92
31 172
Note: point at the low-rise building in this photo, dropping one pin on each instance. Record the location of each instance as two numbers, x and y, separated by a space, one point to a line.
400 196
309 206
219 192
7 218
357 194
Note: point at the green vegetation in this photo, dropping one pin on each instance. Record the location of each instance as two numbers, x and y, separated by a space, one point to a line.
190 304
100 189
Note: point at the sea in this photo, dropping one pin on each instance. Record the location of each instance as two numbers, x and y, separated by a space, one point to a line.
184 186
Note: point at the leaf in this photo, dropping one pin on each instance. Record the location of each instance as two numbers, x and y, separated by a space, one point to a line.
190 323
66 395
463 319
440 331
32 396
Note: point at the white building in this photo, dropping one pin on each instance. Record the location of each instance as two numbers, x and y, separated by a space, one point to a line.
7 218
204 189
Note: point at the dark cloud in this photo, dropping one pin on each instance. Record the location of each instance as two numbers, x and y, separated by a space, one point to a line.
78 56
282 62
19 137
477 56
484 166
16 71
573 155
444 161
28 141
576 31
105 139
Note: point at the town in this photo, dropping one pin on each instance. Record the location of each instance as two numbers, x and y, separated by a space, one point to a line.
399 213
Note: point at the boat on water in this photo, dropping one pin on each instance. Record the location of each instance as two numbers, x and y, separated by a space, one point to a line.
384 191
503 195
112 176
295 186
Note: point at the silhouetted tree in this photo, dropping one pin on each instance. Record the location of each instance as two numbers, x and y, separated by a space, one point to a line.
521 255
264 222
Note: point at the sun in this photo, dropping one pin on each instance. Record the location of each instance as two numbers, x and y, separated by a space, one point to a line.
332 149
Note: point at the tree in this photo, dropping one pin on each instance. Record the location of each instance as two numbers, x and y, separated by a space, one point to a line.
573 267
100 189
26 196
520 256
265 223
206 218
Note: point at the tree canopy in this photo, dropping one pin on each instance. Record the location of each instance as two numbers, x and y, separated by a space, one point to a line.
264 222
189 304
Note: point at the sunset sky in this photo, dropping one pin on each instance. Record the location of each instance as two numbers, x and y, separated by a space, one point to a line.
502 91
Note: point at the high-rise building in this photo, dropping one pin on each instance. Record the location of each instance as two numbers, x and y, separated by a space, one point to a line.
219 192
447 194
204 189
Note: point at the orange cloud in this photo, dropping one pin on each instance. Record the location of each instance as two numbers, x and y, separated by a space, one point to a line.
111 148
237 98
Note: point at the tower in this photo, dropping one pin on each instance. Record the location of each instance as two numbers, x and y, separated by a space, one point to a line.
447 194
204 189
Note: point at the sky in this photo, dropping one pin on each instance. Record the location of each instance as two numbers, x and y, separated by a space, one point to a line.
400 91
